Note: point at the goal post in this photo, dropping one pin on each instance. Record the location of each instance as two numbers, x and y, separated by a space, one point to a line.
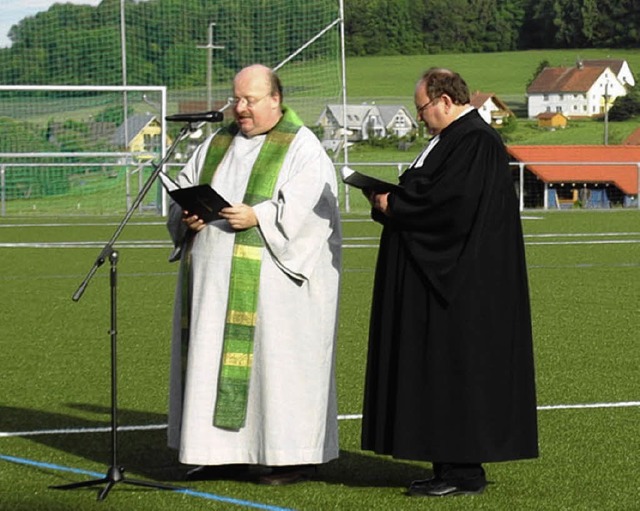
78 149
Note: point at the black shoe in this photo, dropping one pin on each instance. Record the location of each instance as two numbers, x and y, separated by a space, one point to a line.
218 472
292 474
436 487
420 483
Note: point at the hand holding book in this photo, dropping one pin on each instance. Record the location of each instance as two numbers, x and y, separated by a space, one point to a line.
200 200
366 183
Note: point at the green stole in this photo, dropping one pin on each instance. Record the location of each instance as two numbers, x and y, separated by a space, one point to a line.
237 350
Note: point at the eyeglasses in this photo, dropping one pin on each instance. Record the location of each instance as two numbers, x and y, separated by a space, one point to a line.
419 109
249 101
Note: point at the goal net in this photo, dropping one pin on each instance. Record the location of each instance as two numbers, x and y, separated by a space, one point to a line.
48 136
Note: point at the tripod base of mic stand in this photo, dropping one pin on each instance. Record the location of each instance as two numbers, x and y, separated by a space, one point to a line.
114 475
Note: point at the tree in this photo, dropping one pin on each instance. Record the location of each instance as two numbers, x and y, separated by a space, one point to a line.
504 30
618 24
578 19
626 107
80 44
539 69
542 18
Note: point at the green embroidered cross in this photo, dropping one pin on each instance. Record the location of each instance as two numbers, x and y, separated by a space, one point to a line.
237 351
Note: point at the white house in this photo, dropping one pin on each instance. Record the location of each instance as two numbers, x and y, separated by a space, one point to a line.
619 66
365 121
491 108
579 91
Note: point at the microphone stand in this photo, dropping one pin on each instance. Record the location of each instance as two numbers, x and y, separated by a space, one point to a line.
115 473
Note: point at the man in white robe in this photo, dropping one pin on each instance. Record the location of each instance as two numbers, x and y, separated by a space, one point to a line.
291 411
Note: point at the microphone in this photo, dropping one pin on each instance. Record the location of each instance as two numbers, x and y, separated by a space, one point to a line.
213 116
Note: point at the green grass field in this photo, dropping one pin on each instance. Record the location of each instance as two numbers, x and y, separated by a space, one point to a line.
504 73
584 272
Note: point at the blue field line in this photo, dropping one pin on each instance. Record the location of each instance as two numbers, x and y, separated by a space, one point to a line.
177 489
40 464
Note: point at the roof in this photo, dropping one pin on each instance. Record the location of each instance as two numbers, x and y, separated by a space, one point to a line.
357 113
388 113
550 115
565 79
135 124
623 176
480 98
633 138
614 64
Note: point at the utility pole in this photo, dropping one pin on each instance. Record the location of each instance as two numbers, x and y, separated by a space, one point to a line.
606 113
123 58
210 47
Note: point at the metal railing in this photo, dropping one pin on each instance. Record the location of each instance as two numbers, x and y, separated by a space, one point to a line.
134 163
137 163
521 166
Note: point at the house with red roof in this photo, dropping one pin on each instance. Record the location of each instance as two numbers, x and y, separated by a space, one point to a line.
619 66
591 175
491 108
581 91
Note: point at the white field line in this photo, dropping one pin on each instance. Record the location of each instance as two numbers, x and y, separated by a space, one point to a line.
85 224
581 234
89 244
370 241
591 242
105 429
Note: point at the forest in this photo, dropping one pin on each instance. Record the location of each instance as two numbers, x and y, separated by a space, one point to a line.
80 44
387 27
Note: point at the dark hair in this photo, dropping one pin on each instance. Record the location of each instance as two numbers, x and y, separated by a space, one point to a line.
276 85
438 81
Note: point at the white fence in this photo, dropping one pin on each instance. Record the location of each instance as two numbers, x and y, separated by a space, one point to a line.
109 185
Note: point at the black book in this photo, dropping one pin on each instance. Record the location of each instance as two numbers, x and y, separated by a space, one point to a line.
201 200
364 182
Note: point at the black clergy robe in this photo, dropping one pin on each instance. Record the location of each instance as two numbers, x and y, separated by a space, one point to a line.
450 373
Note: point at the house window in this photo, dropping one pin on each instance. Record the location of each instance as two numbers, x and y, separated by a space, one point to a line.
561 97
152 143
545 97
559 109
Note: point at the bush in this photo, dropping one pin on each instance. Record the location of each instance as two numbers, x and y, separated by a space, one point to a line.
626 107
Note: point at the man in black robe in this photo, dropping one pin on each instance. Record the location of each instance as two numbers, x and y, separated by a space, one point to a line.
450 373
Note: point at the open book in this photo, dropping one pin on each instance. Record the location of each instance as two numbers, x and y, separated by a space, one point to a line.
201 200
364 182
